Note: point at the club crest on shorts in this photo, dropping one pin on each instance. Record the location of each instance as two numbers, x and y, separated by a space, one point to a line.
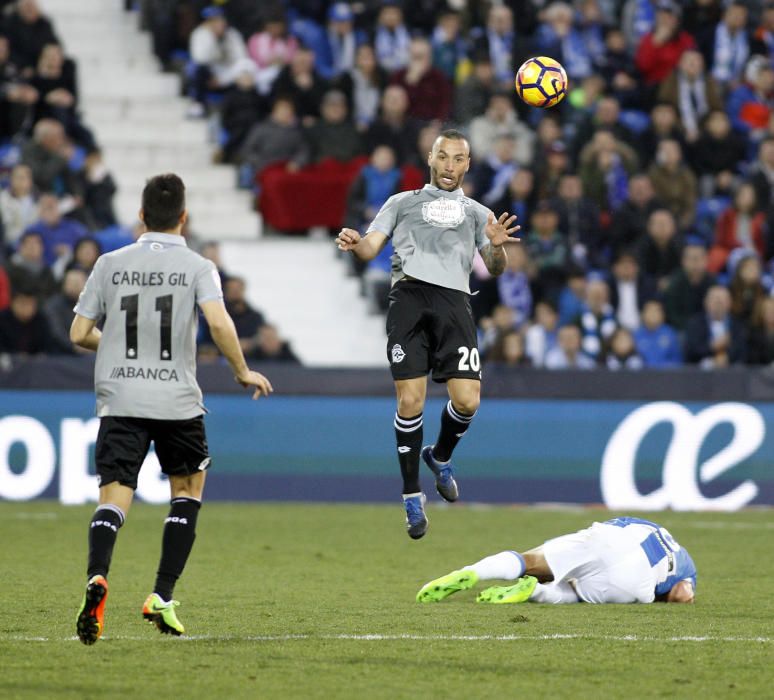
444 213
397 353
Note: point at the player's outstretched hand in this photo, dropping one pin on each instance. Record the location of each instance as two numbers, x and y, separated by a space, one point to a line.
347 239
500 231
262 385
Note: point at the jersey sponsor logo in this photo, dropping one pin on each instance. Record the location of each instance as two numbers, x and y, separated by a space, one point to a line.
683 472
443 213
162 375
397 354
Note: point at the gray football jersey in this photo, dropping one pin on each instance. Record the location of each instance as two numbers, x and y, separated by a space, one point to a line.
146 361
434 234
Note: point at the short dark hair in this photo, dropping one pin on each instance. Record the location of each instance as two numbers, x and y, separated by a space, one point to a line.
453 134
163 201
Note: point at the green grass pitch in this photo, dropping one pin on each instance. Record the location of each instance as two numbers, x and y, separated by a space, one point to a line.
317 601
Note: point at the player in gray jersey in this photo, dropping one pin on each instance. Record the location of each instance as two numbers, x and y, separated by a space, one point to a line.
145 381
435 233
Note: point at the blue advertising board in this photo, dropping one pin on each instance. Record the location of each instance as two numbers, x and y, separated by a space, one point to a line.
626 454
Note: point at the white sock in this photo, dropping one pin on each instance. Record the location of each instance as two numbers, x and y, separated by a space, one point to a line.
557 593
506 565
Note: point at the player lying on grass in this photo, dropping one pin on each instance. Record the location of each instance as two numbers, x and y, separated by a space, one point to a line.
624 560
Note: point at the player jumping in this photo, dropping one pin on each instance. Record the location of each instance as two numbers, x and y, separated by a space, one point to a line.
624 560
435 232
145 381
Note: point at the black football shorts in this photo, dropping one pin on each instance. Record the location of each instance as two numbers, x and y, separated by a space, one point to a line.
123 443
431 328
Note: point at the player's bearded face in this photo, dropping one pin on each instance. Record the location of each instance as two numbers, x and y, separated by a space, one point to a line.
449 161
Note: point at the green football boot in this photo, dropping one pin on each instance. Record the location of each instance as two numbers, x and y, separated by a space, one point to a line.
519 592
162 614
443 587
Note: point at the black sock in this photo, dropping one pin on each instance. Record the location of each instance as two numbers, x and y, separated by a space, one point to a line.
102 538
408 433
176 544
453 427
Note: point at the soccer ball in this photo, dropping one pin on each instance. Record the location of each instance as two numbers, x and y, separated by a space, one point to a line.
541 82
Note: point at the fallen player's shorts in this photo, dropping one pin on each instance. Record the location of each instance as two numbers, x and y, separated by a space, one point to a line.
606 564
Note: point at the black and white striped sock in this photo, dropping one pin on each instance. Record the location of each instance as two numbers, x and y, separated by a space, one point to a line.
408 434
453 427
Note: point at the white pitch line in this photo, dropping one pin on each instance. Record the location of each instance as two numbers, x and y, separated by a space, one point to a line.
408 637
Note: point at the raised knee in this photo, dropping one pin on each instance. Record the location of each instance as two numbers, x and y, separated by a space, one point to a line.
410 404
468 404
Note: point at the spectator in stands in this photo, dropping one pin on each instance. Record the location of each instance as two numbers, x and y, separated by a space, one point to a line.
657 343
393 127
27 268
715 338
210 250
449 47
500 118
741 225
664 124
547 133
541 336
337 56
637 20
659 251
716 156
242 108
605 166
364 85
47 154
59 234
501 321
616 67
750 104
572 295
519 198
674 182
660 49
763 37
557 37
499 41
621 351
472 97
278 138
547 249
247 320
732 45
629 223
18 208
629 290
597 319
270 347
606 115
508 351
567 353
700 19
428 89
513 285
58 310
98 188
687 287
579 221
301 82
550 170
29 30
760 347
55 81
219 54
17 96
692 92
334 135
492 174
762 174
85 254
391 38
374 185
23 328
271 48
746 288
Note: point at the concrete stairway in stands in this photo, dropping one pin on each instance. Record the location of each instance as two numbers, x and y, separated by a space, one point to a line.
139 120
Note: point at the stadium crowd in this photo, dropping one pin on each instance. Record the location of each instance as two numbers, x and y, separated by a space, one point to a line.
56 212
645 198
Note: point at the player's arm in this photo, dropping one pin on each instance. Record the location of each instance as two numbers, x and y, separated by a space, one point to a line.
364 248
499 232
84 332
225 336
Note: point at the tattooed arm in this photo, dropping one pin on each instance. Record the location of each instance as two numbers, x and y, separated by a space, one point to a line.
494 258
498 231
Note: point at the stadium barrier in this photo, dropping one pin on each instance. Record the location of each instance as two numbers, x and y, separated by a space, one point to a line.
685 439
